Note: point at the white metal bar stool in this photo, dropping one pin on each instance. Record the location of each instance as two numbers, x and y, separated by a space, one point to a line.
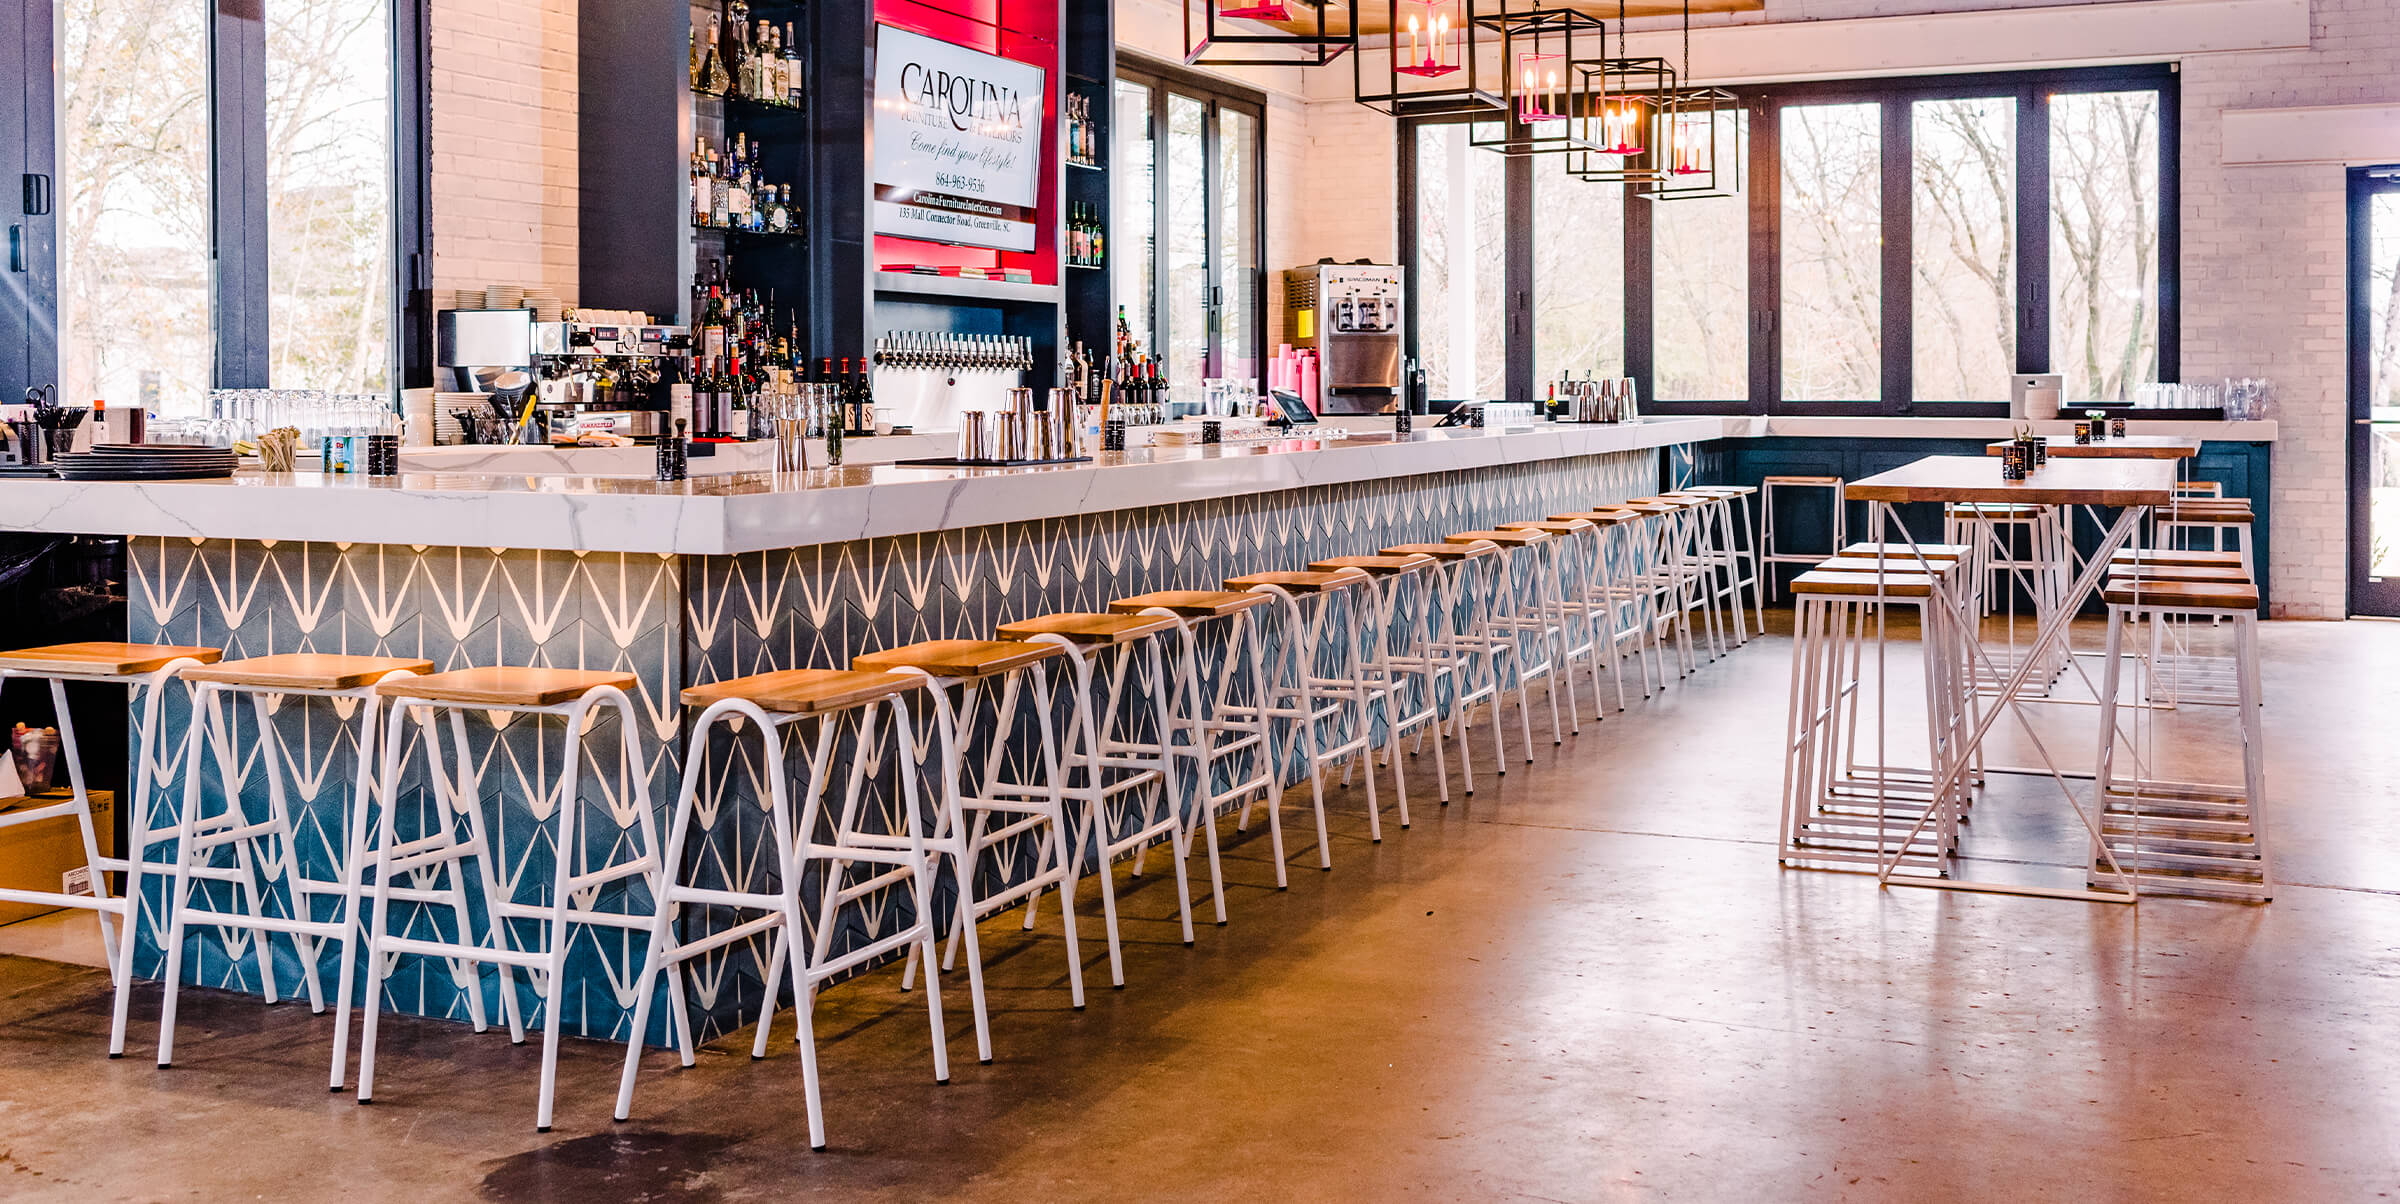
1459 603
1124 783
1838 810
848 716
1028 849
1661 576
1518 623
264 850
1618 606
1717 556
1741 544
1315 684
1228 744
1402 597
1578 629
2181 836
147 670
1771 552
575 888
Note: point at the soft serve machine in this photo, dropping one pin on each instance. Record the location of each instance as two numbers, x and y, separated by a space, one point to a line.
1349 314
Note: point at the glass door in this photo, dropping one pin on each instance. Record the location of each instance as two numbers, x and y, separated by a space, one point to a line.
2375 392
1189 276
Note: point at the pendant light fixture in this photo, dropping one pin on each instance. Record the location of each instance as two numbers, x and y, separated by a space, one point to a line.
1548 54
1436 61
1633 99
1266 33
1703 140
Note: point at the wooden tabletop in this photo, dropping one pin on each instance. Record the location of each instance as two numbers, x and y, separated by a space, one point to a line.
2131 447
2058 483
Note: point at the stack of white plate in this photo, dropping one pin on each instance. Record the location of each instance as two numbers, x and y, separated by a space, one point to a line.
546 308
446 431
504 296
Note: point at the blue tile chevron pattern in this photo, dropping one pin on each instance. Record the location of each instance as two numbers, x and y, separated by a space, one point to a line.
673 622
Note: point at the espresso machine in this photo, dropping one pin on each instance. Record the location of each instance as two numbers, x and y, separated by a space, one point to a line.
1349 314
612 377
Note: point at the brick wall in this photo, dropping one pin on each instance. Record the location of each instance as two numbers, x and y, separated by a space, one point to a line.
2263 286
504 144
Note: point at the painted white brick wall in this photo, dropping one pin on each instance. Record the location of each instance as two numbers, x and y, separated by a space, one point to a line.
2263 276
504 144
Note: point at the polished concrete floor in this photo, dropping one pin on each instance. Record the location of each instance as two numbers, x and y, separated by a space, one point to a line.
1587 981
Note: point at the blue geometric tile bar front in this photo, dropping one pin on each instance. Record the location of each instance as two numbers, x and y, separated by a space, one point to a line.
678 620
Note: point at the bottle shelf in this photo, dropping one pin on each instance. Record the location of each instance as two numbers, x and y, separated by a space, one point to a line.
1090 267
752 102
783 236
959 288
1087 166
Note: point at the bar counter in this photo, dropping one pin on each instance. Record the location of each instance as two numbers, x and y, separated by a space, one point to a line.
685 583
740 512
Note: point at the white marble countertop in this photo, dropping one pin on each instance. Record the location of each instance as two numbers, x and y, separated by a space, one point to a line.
1916 427
745 512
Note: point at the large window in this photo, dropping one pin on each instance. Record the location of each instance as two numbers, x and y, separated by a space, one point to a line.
1458 272
1185 232
1903 246
1963 274
224 197
1578 276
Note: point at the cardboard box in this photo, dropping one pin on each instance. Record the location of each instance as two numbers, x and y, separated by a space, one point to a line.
44 854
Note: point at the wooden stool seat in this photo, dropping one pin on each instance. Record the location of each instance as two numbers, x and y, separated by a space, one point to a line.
804 691
1889 567
2182 595
1442 551
1374 566
1555 526
1190 603
1301 582
2214 560
306 670
1649 508
2178 572
1801 480
1088 628
1901 551
1601 518
505 685
1516 539
102 658
1661 503
958 658
2188 511
1723 490
1869 584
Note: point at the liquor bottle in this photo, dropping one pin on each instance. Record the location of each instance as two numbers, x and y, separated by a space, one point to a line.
765 62
779 216
1099 236
845 393
737 172
713 76
720 192
862 399
791 65
701 188
736 55
737 403
694 39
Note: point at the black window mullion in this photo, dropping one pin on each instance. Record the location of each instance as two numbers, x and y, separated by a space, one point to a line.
412 199
2033 230
1516 338
1640 358
1212 284
1161 281
1899 256
1766 257
2170 234
238 191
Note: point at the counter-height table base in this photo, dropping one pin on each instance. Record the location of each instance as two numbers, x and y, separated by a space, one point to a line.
678 620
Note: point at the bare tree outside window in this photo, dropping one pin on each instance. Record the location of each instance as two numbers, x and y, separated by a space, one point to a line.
1578 275
1832 252
1132 234
1700 295
329 211
2383 383
1964 184
133 211
2104 242
1462 228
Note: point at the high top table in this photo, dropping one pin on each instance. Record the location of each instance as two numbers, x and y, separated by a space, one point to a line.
2129 485
2131 447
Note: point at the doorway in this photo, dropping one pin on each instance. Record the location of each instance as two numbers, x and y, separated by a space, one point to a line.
2375 391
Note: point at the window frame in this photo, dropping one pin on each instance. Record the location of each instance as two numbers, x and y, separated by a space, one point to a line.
1516 276
239 303
1165 79
1896 96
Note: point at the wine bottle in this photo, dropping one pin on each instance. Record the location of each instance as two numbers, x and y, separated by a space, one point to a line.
713 76
791 65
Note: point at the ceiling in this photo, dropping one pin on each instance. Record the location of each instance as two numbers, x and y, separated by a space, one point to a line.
1374 16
